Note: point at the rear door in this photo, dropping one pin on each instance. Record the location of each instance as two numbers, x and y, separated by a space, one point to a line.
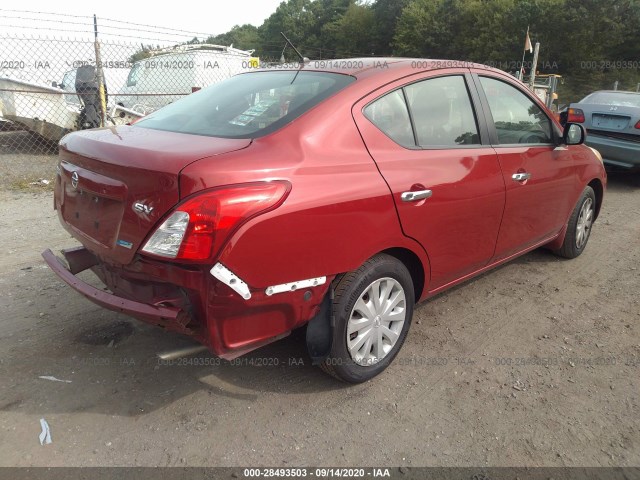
540 178
434 154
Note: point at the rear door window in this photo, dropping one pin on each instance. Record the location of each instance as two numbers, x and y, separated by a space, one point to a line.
442 112
432 113
390 115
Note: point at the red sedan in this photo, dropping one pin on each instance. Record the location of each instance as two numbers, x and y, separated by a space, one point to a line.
337 194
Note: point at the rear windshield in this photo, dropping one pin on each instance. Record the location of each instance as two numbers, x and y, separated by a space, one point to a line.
248 105
613 98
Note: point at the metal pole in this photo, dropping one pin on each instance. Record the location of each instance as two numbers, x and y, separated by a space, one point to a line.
638 88
534 65
553 86
615 85
100 74
524 52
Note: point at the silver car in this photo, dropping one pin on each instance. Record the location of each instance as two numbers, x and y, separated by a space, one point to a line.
612 120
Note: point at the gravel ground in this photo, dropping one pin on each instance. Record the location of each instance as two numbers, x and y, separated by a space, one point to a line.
25 161
534 364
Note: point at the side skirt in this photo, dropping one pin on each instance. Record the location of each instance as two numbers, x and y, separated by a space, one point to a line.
480 271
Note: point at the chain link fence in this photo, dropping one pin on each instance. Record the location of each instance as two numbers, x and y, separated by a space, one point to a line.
52 86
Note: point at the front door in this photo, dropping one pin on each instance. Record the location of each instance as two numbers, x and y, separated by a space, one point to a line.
537 175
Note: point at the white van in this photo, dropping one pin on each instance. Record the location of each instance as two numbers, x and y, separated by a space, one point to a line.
172 73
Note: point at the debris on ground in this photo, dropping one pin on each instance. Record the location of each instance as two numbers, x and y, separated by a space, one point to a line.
45 434
53 379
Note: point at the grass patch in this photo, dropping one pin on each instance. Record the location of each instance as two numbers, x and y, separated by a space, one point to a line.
34 184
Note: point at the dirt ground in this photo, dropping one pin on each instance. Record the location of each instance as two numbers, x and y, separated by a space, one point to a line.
534 364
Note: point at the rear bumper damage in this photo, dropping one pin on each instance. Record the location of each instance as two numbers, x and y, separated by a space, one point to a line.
80 259
194 301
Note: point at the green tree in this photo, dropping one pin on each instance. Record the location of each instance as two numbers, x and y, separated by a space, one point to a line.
386 14
354 32
421 30
244 37
296 19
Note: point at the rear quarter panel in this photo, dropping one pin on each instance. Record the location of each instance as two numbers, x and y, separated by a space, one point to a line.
338 214
339 211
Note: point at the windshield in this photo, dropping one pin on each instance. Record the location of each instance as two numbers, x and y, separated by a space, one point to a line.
613 98
247 106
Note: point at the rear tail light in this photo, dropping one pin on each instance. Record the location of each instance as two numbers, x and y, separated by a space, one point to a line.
638 125
575 115
198 227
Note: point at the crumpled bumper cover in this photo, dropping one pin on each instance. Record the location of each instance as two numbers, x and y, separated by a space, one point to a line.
80 259
204 308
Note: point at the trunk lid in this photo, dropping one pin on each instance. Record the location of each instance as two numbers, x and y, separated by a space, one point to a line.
116 183
610 118
608 121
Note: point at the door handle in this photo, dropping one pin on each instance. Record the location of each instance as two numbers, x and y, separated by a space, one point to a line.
415 196
521 177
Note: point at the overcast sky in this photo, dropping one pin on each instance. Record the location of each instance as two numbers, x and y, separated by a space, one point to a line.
211 17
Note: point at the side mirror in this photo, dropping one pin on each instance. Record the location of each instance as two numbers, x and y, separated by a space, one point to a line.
574 134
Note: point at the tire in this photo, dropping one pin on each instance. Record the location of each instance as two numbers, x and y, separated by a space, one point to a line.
367 337
579 225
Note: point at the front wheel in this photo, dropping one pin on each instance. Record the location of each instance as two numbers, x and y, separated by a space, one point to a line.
372 308
579 225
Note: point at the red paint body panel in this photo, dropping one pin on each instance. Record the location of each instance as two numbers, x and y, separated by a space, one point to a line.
458 225
536 208
144 311
344 206
118 167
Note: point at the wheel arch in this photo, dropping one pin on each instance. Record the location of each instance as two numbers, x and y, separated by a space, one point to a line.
415 266
598 189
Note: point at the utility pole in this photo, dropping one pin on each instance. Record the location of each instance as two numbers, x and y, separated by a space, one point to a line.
100 75
534 65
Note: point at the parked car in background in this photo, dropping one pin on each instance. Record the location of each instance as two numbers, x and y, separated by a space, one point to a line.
612 120
336 194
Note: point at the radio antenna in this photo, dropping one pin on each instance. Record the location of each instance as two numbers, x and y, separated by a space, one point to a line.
303 60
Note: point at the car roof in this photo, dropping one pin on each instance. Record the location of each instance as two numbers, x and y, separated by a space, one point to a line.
370 66
615 91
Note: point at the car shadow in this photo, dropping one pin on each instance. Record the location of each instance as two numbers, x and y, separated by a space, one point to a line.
111 367
618 181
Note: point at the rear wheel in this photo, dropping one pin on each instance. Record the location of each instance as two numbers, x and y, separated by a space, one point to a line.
579 225
372 308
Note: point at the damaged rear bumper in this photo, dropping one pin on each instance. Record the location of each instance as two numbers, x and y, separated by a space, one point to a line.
80 259
197 302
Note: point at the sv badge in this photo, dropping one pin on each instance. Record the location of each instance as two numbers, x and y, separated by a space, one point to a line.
142 208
